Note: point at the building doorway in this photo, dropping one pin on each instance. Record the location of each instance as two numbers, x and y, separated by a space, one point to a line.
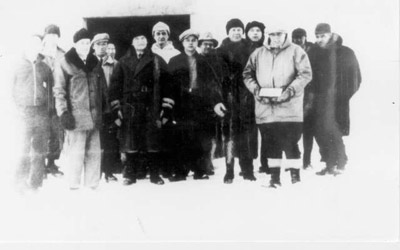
121 29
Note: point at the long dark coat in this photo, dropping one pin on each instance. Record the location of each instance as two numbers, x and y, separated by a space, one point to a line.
138 84
193 106
238 99
336 77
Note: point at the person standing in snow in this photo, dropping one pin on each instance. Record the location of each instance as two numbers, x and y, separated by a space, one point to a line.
336 79
299 37
136 87
276 74
32 94
166 50
53 53
80 92
255 37
207 44
194 98
239 135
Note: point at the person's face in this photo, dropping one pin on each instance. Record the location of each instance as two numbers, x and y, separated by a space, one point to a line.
100 48
277 39
33 47
139 43
83 47
254 34
190 43
206 47
51 40
161 37
299 40
235 34
323 39
111 50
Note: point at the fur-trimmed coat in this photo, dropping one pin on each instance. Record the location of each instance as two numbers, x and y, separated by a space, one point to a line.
80 89
193 105
239 125
137 85
336 78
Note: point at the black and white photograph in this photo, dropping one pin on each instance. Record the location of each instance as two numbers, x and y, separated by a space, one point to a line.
199 124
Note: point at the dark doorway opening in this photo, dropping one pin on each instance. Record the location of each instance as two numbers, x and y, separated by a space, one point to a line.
121 29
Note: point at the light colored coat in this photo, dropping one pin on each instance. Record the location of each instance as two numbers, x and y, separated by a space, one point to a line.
286 67
80 89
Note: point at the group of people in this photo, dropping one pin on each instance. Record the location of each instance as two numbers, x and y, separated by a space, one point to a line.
163 112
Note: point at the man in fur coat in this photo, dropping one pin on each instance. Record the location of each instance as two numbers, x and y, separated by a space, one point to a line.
337 78
80 92
239 130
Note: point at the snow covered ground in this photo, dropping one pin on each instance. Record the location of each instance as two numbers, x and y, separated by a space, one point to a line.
361 205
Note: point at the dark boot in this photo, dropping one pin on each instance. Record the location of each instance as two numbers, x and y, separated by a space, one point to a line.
295 175
153 162
52 168
176 178
129 172
275 177
210 166
179 170
110 177
328 170
228 178
249 174
141 168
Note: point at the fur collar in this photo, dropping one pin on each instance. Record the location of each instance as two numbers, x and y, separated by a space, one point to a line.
228 43
72 57
335 41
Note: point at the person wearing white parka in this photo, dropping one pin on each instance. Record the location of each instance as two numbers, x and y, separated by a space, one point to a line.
276 74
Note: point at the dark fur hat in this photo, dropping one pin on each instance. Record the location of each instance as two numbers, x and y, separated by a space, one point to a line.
235 22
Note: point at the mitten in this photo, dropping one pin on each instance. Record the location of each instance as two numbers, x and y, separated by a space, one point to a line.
286 95
67 121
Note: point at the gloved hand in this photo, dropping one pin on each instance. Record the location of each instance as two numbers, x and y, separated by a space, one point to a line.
67 121
167 103
166 115
285 96
166 112
220 109
115 105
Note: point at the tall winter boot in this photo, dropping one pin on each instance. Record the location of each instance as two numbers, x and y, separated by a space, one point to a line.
153 162
295 175
129 171
248 168
275 177
228 178
141 166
